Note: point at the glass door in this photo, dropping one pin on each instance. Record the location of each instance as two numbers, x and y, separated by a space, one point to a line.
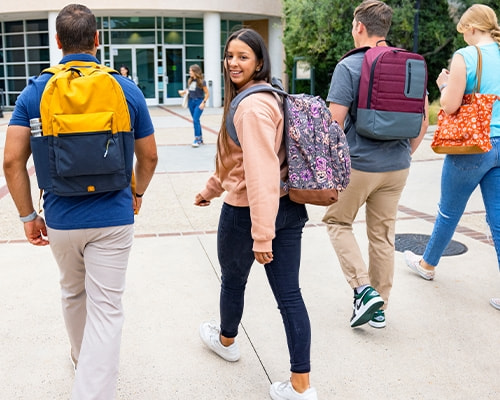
141 62
175 77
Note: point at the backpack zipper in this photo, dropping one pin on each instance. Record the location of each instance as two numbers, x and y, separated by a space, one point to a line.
408 78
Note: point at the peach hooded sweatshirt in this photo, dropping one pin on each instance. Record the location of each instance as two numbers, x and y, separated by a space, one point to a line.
251 174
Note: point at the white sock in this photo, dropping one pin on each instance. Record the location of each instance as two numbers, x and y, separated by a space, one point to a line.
359 289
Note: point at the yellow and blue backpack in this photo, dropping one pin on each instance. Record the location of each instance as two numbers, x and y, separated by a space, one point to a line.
87 145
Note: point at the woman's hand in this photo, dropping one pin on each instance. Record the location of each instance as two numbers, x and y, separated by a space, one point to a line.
200 201
263 257
442 79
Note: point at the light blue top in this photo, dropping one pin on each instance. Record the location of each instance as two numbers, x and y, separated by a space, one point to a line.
490 82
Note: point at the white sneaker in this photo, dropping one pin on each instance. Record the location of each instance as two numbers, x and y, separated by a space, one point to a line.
210 335
285 391
413 261
495 302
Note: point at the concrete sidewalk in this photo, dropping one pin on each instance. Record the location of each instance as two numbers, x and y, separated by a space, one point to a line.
440 341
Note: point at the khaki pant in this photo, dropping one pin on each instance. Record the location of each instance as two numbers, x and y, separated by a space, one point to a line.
380 191
92 264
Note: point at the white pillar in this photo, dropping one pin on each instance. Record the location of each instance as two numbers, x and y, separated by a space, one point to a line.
212 56
55 54
276 49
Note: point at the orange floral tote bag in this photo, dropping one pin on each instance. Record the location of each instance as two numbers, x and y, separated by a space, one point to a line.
467 131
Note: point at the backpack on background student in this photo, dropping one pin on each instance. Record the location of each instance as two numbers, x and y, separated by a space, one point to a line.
317 153
392 92
87 144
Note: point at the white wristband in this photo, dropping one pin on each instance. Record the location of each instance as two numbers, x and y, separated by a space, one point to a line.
29 218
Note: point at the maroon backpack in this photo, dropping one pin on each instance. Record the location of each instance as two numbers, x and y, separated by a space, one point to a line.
392 92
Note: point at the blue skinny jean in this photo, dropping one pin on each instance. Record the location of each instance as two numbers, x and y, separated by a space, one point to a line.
460 176
196 111
234 246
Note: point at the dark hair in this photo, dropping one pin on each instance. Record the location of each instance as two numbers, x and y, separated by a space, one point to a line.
76 27
125 68
376 16
255 41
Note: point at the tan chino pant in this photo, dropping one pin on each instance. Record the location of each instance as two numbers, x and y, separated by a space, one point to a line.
380 192
93 264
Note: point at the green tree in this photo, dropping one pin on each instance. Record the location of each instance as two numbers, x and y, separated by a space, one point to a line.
320 31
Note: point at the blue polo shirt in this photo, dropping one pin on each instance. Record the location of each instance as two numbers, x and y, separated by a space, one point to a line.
89 211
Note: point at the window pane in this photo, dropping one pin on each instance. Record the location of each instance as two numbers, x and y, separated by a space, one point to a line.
15 55
37 25
14 26
235 25
12 98
173 38
35 69
194 24
132 22
123 37
172 23
14 41
194 37
38 55
37 39
16 70
16 84
195 53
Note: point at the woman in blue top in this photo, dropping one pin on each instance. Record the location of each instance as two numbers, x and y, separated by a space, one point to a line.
198 96
463 173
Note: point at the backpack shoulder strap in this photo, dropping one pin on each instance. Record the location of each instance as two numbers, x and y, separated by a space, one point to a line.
231 130
355 51
54 69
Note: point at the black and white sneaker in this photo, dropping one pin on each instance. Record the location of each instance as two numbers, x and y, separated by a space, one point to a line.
365 305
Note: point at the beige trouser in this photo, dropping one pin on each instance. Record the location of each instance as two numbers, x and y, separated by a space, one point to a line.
380 191
92 264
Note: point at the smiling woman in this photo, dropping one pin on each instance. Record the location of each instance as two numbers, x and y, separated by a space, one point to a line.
258 221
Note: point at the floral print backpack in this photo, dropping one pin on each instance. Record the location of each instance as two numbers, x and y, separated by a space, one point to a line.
319 163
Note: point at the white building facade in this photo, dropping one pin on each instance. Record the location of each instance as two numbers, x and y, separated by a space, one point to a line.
156 39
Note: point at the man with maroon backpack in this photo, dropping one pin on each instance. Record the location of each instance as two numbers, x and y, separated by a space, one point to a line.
378 175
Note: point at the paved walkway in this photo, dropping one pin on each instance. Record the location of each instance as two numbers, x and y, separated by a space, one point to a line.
441 337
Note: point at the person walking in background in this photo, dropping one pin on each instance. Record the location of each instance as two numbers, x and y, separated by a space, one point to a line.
198 96
461 174
124 71
378 176
90 235
258 220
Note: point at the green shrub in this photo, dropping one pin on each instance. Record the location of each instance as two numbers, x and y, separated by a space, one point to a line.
433 112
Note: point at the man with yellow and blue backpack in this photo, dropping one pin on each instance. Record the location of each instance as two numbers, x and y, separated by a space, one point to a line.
87 122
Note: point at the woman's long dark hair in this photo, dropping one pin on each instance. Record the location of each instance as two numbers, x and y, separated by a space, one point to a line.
253 40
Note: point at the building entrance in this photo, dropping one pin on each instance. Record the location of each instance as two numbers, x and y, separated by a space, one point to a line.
141 61
175 76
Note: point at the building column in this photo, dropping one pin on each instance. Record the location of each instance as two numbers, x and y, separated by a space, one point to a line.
276 49
55 54
212 56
